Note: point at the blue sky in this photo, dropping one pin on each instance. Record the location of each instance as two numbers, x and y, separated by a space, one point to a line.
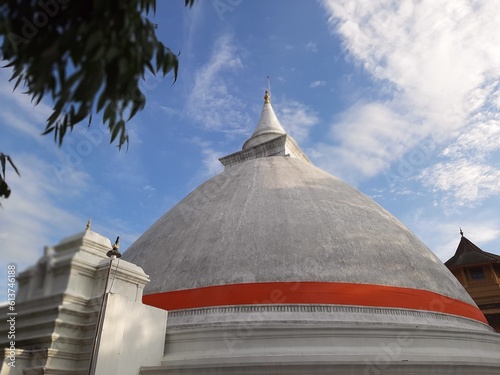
399 99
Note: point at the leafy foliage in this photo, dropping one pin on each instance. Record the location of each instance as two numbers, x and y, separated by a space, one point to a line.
4 188
87 55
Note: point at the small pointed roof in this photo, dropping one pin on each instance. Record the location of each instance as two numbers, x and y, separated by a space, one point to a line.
268 126
469 254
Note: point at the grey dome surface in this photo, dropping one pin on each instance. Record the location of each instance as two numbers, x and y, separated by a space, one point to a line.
282 219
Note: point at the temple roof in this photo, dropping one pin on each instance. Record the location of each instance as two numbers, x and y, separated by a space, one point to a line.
469 254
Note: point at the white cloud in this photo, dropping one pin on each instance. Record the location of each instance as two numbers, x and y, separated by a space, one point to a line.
443 234
442 62
134 136
45 200
311 46
477 142
33 216
297 119
210 161
315 84
38 113
211 102
169 111
465 181
369 137
468 173
18 113
21 125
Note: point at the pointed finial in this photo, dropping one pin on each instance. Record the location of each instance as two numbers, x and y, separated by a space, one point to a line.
461 232
89 222
267 98
48 251
114 252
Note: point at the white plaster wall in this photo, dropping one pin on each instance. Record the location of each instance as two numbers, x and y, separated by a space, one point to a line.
133 335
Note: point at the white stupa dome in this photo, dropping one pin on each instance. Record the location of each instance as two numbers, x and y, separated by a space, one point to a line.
294 252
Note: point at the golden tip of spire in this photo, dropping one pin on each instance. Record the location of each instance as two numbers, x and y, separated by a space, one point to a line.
114 252
267 98
89 222
116 246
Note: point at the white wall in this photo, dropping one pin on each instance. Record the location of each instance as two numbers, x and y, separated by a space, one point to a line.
133 335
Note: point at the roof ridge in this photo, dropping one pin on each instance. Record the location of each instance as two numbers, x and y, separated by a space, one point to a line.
469 253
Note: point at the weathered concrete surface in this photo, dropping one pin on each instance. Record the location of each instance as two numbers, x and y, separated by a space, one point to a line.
282 219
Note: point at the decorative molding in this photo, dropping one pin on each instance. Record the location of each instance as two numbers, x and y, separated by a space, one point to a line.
272 147
177 315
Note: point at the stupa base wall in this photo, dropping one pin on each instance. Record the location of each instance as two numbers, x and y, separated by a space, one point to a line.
281 339
331 369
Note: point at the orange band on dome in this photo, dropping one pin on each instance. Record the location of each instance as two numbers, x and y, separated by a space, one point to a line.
308 292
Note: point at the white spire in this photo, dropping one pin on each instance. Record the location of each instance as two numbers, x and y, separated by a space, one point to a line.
268 139
268 126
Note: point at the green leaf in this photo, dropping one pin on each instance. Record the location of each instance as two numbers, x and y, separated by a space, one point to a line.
137 105
93 40
4 189
62 129
102 100
48 130
13 165
2 162
115 130
91 56
19 79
